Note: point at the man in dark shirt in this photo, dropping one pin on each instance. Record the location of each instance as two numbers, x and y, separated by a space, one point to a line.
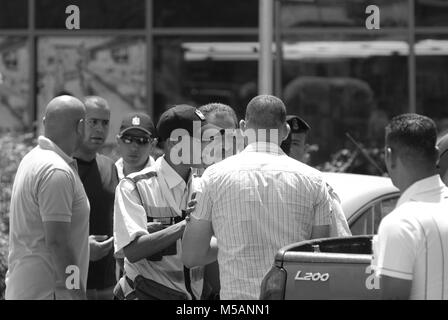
99 177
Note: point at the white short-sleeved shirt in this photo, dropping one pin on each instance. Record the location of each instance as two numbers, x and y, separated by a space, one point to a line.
259 201
412 241
46 188
165 195
120 166
339 226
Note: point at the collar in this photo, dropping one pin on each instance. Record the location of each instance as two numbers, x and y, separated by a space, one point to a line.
262 146
120 166
171 177
47 144
419 187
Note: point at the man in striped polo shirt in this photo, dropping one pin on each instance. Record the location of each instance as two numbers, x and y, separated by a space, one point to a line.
160 193
411 248
255 202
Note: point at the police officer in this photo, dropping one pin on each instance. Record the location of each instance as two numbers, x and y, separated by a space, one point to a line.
296 147
160 193
295 144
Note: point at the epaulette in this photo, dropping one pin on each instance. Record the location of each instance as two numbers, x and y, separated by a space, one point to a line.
333 193
144 176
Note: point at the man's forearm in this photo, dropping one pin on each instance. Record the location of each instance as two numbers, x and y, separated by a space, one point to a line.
322 231
63 257
148 245
211 255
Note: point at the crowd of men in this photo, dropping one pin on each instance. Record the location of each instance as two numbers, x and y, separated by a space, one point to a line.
198 205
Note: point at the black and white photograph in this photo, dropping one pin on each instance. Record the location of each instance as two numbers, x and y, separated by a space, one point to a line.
223 154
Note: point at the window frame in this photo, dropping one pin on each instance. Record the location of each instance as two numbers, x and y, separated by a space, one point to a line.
370 206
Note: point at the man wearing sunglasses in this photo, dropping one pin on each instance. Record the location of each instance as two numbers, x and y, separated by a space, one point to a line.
136 142
99 177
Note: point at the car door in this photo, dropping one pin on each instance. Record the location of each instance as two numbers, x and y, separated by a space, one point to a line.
367 219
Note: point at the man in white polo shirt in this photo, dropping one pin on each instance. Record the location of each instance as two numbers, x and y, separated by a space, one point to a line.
410 252
49 226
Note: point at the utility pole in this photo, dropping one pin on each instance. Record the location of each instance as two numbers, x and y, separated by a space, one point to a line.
265 64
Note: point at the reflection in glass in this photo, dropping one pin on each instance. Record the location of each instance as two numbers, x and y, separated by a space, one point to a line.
205 13
431 13
14 14
111 67
341 13
344 84
14 83
199 71
94 14
364 223
432 78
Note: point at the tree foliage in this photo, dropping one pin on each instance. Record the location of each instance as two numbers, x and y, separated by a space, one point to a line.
12 149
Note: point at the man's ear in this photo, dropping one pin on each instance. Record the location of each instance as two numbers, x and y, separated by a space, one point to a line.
287 128
243 125
154 142
80 127
390 157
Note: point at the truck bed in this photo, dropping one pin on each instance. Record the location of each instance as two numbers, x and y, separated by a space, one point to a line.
334 268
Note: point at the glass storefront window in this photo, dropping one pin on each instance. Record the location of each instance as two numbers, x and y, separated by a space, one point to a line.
205 13
14 14
345 84
198 70
14 84
97 14
432 78
432 13
111 67
341 13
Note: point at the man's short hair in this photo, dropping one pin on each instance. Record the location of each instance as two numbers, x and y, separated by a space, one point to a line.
413 137
215 107
266 112
95 101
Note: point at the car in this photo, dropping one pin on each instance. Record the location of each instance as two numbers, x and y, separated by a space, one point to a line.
365 199
336 268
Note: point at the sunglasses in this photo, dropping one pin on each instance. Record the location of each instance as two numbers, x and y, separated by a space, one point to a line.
141 141
224 133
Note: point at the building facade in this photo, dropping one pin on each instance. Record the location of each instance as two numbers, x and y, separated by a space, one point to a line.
147 55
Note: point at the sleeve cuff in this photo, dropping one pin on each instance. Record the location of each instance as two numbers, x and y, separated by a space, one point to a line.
206 218
132 237
393 273
57 218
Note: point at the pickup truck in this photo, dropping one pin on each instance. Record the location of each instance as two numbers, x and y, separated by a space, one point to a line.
336 268
331 268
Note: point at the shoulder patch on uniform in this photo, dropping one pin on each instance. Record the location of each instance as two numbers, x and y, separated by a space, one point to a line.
144 176
333 193
200 114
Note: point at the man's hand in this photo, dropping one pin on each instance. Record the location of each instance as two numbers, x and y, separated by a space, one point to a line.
191 205
154 227
99 246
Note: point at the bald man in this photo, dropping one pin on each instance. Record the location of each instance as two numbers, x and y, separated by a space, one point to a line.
99 177
255 203
49 214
